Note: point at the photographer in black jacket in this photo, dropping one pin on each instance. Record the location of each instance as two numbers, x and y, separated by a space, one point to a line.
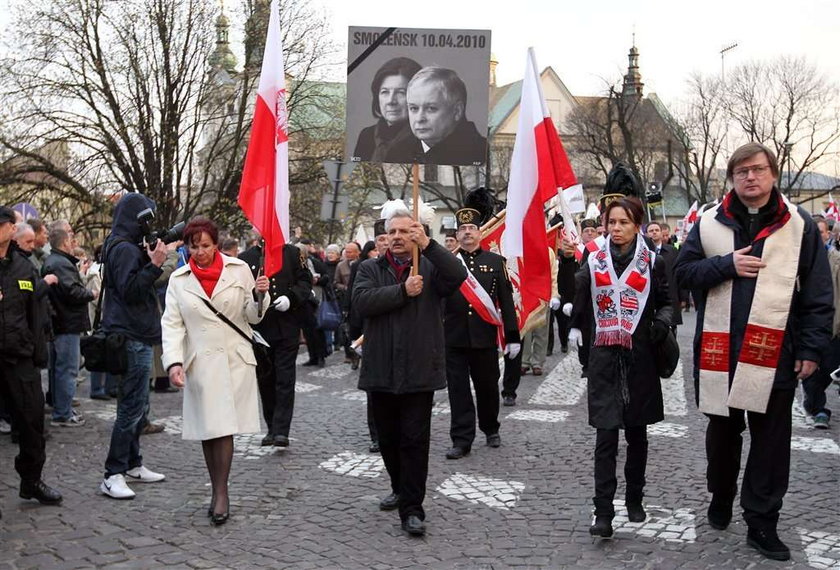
24 349
131 308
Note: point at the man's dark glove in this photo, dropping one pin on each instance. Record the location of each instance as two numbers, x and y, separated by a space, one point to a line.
658 331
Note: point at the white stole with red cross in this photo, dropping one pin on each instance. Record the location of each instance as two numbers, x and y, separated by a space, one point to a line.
758 357
619 301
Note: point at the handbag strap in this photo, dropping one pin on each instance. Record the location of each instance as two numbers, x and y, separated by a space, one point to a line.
97 315
227 321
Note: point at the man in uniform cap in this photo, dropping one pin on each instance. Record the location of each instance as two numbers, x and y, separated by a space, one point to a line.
472 341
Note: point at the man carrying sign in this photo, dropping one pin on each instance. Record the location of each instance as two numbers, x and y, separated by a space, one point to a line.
472 319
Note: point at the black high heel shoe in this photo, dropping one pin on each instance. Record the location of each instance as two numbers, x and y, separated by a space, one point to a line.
218 519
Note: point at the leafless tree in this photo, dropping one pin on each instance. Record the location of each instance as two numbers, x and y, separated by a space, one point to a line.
618 127
789 105
704 122
127 87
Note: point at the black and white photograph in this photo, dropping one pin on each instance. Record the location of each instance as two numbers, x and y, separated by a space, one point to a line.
417 95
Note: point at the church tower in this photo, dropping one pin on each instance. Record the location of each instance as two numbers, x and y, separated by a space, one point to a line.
633 85
222 57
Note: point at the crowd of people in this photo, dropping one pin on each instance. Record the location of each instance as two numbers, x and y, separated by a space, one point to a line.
762 274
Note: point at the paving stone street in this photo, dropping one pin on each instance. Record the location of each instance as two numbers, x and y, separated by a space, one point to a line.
315 505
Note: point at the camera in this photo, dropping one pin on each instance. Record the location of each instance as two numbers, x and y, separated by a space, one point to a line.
150 236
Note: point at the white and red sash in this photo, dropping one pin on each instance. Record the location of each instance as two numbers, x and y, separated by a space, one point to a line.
480 300
758 357
618 302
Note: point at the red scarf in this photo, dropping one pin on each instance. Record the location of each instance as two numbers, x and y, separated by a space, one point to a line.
399 266
208 276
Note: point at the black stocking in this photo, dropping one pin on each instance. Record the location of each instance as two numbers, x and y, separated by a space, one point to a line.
218 455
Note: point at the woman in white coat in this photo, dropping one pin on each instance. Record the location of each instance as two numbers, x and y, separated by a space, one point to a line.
212 362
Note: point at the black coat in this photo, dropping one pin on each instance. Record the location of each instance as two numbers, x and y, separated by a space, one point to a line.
21 314
463 326
669 253
404 344
69 297
606 410
294 281
464 145
808 329
375 142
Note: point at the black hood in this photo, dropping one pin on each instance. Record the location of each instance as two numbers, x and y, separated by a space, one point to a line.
125 216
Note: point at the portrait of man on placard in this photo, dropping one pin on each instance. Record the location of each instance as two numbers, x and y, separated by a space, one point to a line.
408 96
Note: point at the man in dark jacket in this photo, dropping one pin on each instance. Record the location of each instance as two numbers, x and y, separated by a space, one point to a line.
760 276
437 102
472 342
668 253
404 352
24 351
130 307
69 298
290 290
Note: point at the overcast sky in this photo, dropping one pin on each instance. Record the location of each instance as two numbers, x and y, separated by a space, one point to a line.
586 41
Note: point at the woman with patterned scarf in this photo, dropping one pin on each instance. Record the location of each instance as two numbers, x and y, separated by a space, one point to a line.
623 291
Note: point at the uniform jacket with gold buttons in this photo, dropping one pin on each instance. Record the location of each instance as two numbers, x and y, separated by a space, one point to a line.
464 327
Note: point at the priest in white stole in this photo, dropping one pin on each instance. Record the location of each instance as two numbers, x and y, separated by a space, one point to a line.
760 276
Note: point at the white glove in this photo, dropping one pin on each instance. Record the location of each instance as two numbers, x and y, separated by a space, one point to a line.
554 303
282 303
567 309
575 337
512 349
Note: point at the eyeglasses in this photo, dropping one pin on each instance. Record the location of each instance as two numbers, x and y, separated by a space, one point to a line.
743 173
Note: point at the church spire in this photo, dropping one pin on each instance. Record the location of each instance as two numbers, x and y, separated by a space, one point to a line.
222 57
633 79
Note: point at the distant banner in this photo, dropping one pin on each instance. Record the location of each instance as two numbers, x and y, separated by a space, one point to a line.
417 95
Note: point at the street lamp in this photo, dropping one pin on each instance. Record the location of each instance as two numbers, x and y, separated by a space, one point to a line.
787 145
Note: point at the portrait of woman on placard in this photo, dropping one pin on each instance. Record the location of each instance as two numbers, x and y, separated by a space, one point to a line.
388 105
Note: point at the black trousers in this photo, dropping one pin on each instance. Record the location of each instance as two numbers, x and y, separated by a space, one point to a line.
276 382
374 436
511 375
404 424
20 388
606 449
562 329
482 364
768 462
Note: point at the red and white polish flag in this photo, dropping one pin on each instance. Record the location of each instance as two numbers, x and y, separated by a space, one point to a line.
831 213
264 190
539 168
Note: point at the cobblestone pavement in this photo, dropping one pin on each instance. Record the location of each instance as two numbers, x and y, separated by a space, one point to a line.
525 504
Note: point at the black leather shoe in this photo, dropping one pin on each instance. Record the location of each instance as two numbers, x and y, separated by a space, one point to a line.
602 527
320 363
494 440
390 502
267 440
457 452
767 542
508 401
40 491
414 526
635 512
281 441
374 447
310 362
719 513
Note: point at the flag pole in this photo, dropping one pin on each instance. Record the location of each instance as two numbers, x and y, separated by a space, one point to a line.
415 194
261 271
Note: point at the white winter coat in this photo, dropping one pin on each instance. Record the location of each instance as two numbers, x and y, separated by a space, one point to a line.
220 390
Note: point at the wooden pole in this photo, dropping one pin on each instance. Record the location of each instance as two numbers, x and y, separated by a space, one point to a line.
415 194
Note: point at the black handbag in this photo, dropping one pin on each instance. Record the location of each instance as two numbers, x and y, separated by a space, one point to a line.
667 355
260 350
103 352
